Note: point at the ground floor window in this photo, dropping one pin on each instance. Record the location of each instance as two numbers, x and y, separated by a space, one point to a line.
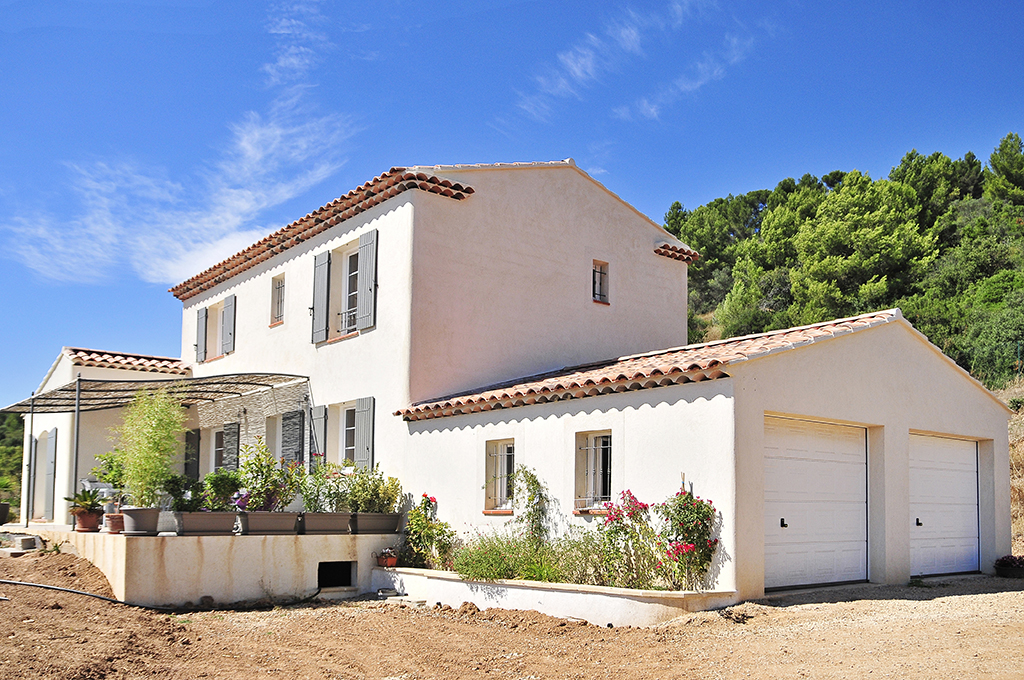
500 465
218 449
593 469
349 434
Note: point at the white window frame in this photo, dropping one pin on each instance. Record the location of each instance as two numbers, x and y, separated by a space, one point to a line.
593 469
348 434
500 466
599 281
217 452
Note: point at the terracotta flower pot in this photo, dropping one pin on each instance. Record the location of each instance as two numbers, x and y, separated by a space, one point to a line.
114 521
387 561
1010 572
88 521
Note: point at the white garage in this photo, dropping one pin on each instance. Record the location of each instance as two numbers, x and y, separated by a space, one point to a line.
943 505
815 505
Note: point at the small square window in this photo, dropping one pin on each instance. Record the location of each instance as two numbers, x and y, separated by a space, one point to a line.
600 281
277 300
500 466
593 469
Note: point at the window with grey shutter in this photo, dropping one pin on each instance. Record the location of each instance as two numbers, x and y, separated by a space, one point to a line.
364 432
201 335
317 435
231 431
192 454
291 436
227 331
366 316
321 295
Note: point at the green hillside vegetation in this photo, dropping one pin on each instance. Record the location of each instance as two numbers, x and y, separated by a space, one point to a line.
941 239
12 431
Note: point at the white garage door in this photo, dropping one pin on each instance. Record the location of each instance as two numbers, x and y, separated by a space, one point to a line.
943 505
815 503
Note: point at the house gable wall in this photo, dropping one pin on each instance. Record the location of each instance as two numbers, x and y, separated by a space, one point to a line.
890 380
502 281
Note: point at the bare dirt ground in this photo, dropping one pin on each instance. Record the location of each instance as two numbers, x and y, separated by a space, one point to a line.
969 627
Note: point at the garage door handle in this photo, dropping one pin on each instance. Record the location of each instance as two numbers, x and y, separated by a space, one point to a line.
782 523
919 522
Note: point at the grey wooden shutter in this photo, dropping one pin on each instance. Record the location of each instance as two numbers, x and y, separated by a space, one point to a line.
192 454
291 435
366 281
231 432
201 335
317 435
364 432
51 472
227 331
321 295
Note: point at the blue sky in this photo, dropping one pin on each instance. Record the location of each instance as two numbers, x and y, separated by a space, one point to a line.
143 140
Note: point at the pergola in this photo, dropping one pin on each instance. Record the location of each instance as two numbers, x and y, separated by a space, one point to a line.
97 395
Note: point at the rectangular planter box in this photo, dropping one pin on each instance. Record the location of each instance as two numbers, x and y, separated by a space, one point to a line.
324 522
375 523
204 523
268 523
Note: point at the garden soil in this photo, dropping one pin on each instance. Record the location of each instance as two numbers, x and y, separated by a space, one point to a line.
967 627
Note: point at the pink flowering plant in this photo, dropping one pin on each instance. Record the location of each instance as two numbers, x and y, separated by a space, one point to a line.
686 542
627 544
429 542
325 488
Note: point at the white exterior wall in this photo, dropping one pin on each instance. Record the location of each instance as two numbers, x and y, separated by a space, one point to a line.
491 287
502 280
890 380
95 437
656 435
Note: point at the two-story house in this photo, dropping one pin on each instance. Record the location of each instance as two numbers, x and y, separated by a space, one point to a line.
451 322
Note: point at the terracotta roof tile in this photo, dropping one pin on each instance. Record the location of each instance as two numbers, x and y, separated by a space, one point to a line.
360 199
681 252
135 362
693 363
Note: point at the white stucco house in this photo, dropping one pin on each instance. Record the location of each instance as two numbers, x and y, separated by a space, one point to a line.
449 322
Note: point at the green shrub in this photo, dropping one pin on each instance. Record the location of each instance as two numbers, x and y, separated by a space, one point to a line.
186 493
506 554
429 542
325 489
369 491
219 489
270 484
151 442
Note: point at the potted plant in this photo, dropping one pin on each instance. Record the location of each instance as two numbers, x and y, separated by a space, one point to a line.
388 557
151 439
87 507
110 470
374 501
1010 566
325 499
269 485
193 515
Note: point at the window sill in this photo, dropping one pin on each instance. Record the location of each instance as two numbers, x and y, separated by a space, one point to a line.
590 511
498 512
276 324
212 359
340 338
602 302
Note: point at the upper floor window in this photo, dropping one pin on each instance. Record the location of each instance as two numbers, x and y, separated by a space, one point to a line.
215 330
593 469
600 281
500 466
277 300
345 289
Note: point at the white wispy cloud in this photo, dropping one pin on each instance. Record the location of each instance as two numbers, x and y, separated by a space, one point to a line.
621 46
119 213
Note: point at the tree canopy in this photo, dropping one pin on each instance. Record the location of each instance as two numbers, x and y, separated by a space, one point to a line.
942 239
